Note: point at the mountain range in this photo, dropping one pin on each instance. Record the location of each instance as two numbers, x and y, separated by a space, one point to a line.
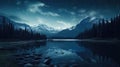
41 28
44 29
72 32
50 32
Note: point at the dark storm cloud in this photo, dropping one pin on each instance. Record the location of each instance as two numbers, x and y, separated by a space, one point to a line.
58 12
82 3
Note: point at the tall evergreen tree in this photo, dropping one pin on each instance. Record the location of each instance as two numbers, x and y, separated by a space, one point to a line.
105 29
8 32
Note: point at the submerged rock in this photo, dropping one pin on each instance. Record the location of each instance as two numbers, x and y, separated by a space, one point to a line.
47 61
28 65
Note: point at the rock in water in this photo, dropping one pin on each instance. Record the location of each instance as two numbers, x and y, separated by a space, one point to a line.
28 65
47 61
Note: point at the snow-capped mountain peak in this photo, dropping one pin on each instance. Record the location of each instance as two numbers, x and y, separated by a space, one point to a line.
84 24
43 26
45 29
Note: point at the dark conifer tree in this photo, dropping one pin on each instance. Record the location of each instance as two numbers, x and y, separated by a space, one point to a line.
8 32
105 29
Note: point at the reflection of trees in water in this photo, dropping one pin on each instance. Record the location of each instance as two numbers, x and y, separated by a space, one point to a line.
31 58
105 50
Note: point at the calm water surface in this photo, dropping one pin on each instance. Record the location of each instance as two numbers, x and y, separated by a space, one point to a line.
77 53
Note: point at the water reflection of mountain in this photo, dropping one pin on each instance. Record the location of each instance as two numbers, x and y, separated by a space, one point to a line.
62 53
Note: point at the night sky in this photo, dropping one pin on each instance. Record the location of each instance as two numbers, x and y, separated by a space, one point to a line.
59 14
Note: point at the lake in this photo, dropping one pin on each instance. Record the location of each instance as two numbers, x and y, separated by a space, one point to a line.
68 53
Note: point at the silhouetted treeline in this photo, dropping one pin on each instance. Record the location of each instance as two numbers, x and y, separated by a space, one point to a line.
104 29
8 32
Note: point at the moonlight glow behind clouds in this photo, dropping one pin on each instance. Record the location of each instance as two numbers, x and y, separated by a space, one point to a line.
59 14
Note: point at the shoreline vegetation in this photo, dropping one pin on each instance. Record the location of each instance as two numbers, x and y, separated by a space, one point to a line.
9 31
105 29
